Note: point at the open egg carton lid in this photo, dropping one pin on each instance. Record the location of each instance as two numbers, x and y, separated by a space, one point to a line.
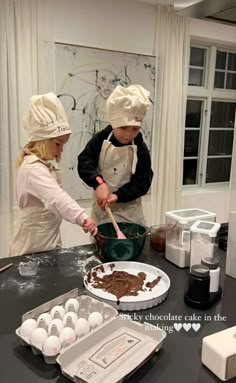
112 355
40 318
109 352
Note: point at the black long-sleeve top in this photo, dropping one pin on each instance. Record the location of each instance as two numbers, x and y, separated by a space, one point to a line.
140 181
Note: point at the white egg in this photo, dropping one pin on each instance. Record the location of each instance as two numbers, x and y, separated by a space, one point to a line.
27 327
67 336
57 312
95 319
72 305
82 327
55 323
52 345
70 319
38 336
44 320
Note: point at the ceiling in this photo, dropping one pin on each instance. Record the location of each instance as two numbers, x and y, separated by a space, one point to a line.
222 11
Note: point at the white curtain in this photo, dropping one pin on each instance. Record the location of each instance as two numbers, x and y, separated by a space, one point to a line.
18 81
172 51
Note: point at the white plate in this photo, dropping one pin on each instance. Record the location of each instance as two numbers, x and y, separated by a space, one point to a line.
144 299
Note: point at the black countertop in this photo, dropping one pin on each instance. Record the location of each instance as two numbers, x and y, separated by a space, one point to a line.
179 360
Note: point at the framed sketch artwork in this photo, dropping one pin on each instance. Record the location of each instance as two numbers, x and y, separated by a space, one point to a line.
85 77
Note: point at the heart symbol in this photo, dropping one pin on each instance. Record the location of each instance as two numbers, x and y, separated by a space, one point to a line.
178 326
196 326
187 326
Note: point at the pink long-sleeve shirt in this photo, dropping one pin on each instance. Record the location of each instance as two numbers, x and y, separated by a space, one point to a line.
36 186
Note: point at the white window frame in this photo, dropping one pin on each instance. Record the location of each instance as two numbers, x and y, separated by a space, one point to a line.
226 70
207 94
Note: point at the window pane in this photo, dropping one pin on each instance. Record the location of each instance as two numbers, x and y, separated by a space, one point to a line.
231 81
220 60
218 170
222 114
191 143
232 61
193 114
197 56
190 172
220 142
219 80
195 77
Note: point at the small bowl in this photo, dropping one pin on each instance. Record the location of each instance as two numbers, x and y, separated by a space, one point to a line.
110 248
158 237
28 269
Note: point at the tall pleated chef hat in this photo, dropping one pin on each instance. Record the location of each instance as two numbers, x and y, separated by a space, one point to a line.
45 118
127 106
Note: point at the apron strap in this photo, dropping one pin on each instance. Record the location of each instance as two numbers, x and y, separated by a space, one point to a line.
135 158
108 138
133 146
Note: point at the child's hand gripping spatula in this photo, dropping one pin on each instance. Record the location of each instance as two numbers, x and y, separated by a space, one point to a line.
119 233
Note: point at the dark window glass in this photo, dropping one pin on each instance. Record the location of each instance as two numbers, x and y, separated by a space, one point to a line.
232 61
195 77
190 172
219 80
220 60
218 170
193 114
220 142
222 114
197 56
191 143
231 81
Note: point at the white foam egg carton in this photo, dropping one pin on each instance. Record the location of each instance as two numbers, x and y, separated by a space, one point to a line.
111 351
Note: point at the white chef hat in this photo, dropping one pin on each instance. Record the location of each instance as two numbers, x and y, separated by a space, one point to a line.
127 106
45 118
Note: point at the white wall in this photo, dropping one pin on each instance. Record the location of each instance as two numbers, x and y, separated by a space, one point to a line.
127 26
214 32
216 201
109 24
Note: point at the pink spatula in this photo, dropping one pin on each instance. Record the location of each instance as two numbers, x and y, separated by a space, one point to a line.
119 233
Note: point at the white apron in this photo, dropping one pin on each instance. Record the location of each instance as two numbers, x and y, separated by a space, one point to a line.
36 228
116 165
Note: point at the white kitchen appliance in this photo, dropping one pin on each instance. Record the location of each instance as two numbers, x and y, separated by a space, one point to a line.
219 353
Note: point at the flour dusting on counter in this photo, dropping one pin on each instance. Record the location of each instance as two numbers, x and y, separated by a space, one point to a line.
44 259
22 285
78 263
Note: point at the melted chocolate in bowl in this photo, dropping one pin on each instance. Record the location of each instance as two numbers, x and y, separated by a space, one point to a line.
158 236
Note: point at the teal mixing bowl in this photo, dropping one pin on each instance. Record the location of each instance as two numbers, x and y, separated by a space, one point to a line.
110 248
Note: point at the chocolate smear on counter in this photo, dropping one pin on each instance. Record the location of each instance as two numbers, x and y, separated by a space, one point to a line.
120 283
